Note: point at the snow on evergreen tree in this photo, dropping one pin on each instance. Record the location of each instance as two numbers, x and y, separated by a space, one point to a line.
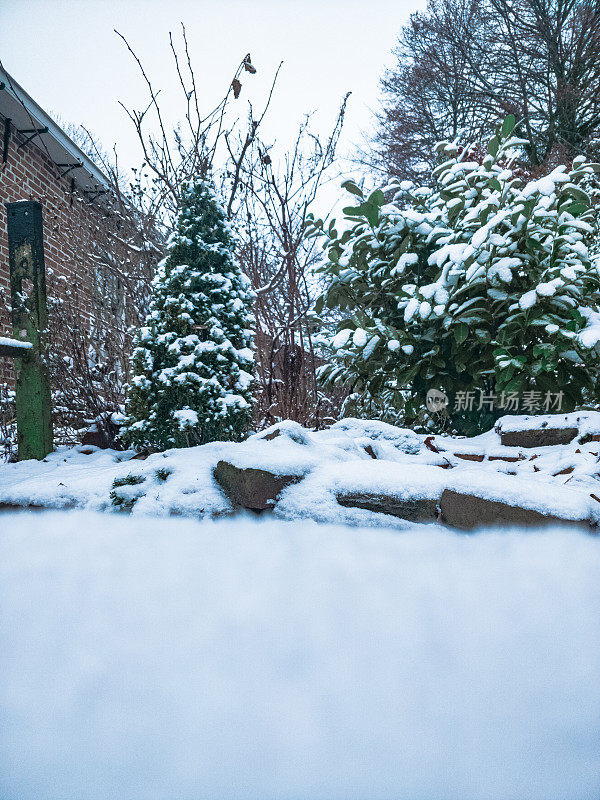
192 363
483 283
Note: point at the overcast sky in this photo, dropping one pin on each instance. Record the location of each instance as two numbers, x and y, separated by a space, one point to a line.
67 56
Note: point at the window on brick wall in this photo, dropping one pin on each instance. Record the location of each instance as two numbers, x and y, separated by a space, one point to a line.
108 313
108 296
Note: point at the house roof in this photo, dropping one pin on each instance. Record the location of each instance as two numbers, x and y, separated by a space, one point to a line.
26 115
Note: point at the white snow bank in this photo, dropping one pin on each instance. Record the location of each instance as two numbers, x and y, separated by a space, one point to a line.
166 659
69 476
351 456
373 429
176 482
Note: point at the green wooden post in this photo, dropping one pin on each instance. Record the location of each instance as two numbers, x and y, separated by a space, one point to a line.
29 319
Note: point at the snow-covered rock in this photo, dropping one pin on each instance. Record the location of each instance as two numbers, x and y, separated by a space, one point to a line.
476 501
545 430
359 472
253 488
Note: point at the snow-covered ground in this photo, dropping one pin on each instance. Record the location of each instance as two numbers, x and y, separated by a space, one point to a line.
352 456
147 659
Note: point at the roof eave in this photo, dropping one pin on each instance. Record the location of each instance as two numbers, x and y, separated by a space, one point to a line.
88 177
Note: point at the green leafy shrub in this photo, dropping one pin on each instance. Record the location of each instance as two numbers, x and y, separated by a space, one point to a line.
483 284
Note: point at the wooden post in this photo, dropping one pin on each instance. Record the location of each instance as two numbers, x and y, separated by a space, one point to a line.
30 319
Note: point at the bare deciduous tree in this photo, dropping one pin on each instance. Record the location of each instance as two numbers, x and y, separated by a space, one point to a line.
462 64
267 200
276 196
174 154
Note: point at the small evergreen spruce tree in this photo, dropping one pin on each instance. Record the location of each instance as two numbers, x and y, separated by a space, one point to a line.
192 363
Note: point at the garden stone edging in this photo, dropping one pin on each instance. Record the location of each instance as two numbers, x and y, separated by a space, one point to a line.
466 511
413 509
250 487
538 437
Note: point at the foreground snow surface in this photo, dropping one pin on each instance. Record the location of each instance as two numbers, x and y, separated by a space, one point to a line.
147 659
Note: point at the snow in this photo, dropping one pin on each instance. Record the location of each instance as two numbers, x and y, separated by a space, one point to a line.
352 456
411 309
83 476
528 299
590 335
370 347
15 343
316 496
285 457
544 186
564 502
584 420
340 339
359 338
246 659
186 417
502 269
405 260
424 309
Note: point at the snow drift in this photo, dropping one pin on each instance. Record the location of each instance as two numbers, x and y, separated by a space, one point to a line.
161 659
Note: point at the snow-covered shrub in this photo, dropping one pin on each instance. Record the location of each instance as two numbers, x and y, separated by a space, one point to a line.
193 362
8 427
481 283
122 495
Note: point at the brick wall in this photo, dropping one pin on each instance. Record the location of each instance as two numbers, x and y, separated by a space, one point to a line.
29 174
78 235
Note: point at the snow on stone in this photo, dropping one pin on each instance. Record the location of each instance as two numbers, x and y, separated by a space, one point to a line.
563 502
316 496
247 659
574 419
363 456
